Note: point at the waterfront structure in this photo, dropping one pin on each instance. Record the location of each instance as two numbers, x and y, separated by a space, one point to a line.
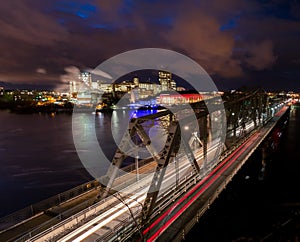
136 81
86 78
88 91
95 85
73 87
165 80
138 90
125 86
105 87
176 98
147 89
84 98
180 89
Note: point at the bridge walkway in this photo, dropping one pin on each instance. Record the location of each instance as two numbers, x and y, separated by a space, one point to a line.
55 214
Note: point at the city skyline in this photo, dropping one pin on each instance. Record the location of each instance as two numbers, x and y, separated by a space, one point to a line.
239 43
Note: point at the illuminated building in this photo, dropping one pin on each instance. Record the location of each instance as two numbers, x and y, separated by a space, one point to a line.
173 85
180 89
105 87
147 89
165 80
124 86
95 85
84 98
73 87
136 81
86 78
178 98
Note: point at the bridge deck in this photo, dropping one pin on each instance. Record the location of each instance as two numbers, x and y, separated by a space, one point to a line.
195 202
48 215
203 193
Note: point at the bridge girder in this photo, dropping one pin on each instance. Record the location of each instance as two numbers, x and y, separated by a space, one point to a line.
244 106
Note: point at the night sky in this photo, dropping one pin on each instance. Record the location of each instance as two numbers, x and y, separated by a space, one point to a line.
238 42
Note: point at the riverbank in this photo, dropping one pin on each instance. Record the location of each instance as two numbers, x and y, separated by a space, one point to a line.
32 107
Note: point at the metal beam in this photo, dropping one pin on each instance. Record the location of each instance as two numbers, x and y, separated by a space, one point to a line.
164 157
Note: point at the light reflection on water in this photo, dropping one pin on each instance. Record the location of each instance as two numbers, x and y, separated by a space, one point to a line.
38 158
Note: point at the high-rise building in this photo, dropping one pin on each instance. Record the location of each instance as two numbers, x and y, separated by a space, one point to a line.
136 81
165 79
86 78
95 85
173 85
73 87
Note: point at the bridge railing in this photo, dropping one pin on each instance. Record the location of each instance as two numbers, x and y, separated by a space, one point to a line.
40 207
68 223
127 227
120 229
132 167
172 195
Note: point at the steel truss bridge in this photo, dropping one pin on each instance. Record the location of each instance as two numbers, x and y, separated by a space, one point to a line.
182 158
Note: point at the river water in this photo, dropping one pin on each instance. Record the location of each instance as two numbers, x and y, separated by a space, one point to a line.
38 157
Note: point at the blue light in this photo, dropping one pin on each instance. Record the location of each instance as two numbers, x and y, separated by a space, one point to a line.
229 25
143 112
232 22
81 10
82 15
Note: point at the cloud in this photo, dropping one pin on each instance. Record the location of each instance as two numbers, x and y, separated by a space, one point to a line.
41 71
72 70
109 7
72 74
21 21
110 11
227 38
260 56
199 35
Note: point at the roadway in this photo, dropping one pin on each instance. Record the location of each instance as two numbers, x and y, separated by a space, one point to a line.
122 209
132 198
133 201
166 226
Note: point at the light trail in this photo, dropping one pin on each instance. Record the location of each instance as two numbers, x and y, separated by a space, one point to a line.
236 152
121 208
106 217
115 215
